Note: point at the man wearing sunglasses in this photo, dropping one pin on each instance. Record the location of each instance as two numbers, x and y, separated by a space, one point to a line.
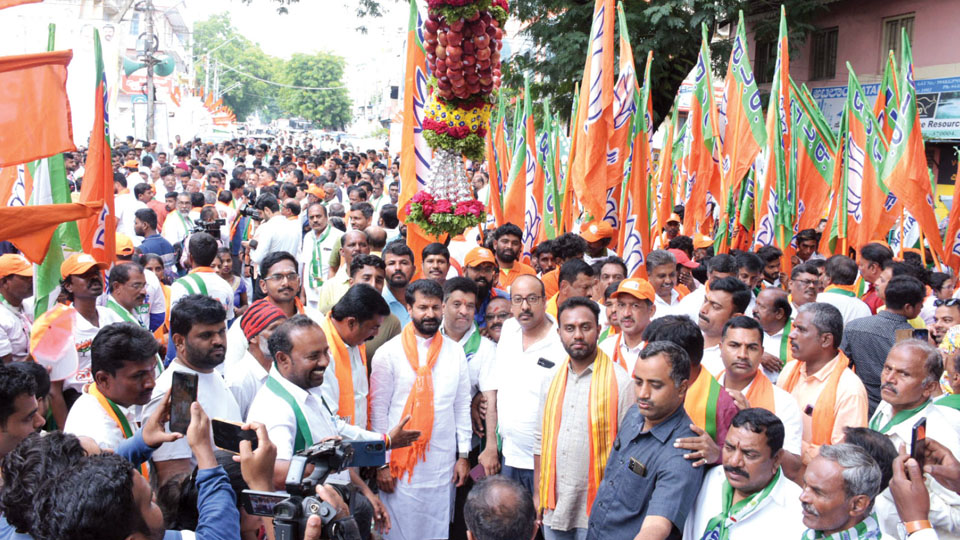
946 316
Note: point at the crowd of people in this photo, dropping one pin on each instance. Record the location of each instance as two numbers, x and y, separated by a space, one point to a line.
519 395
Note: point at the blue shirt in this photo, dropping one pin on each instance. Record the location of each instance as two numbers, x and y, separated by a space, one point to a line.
160 246
667 487
397 307
480 317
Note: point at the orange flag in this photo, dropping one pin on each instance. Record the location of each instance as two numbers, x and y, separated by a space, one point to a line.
952 239
30 227
595 114
97 232
494 206
34 110
11 3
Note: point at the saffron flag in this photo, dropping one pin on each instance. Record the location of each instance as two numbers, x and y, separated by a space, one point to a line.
97 233
10 3
43 221
522 203
702 133
952 239
624 107
904 169
34 110
813 168
665 176
595 114
740 119
415 153
888 98
635 233
548 152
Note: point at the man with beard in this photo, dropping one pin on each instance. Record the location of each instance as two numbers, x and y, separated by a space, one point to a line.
291 406
123 364
727 298
199 330
245 379
598 235
771 257
424 375
480 265
508 246
946 316
399 261
498 311
749 497
529 352
352 321
351 243
595 393
648 487
718 266
436 262
839 487
634 308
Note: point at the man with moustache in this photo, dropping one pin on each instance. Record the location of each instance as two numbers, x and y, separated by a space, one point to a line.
199 331
351 243
772 310
127 296
634 308
749 497
245 378
839 487
945 317
422 374
648 486
123 363
578 400
528 353
480 265
398 259
498 311
508 247
315 251
719 266
662 273
727 298
292 408
909 379
804 281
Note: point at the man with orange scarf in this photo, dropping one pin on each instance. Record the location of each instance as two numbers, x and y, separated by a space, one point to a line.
596 393
829 394
424 375
353 320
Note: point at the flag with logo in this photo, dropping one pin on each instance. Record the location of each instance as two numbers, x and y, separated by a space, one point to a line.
635 233
813 167
700 164
904 169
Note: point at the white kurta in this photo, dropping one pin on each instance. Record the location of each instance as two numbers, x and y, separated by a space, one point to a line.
422 508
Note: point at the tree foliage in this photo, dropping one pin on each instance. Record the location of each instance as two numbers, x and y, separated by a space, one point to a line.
325 108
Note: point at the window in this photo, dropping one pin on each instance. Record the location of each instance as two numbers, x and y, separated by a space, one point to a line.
892 32
824 50
766 61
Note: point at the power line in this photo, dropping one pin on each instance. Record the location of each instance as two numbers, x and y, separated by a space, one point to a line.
281 84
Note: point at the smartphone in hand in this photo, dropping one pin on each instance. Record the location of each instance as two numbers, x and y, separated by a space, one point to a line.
227 435
184 393
918 441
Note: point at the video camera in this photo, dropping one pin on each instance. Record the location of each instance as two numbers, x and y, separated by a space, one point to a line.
211 227
290 510
247 211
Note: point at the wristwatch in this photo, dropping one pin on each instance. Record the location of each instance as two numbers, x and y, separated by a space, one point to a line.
463 455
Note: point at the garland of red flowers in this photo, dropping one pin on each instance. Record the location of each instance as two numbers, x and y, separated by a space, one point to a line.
457 132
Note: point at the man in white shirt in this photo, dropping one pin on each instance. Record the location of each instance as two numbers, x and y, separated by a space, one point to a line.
291 406
719 266
422 374
127 295
123 362
910 376
178 223
741 351
841 276
16 285
635 308
529 351
662 274
202 279
245 378
126 205
198 328
749 497
276 232
772 310
351 322
315 252
840 488
727 298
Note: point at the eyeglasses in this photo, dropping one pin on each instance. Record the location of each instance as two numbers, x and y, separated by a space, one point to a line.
806 282
137 285
533 299
292 277
949 302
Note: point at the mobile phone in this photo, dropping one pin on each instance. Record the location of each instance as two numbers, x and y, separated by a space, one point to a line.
918 441
261 503
478 473
921 333
227 435
184 393
367 453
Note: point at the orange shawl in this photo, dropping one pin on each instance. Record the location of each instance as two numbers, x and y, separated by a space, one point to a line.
419 404
823 410
343 370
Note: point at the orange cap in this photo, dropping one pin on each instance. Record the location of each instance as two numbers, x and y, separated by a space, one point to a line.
701 241
638 288
14 264
316 191
674 217
124 245
682 258
596 231
79 263
478 256
131 164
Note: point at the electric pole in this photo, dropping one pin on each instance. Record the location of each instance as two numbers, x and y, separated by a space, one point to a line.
150 45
